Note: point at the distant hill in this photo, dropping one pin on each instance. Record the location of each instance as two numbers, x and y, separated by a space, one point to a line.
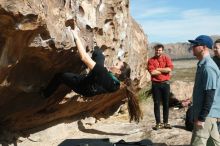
174 50
177 50
215 37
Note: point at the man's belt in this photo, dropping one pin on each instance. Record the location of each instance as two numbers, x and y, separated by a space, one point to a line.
162 82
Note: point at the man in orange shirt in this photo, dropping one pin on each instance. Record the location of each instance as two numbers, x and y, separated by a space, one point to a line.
160 67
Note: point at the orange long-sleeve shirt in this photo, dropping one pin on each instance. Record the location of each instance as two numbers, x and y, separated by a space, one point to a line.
160 62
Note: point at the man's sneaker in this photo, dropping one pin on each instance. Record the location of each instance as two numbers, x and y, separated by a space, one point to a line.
158 126
167 126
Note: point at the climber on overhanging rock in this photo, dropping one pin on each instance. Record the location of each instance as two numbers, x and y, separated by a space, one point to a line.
99 80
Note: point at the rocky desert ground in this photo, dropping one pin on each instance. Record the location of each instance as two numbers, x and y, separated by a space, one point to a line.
114 128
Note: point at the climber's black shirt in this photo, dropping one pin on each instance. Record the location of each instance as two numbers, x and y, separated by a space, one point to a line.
98 81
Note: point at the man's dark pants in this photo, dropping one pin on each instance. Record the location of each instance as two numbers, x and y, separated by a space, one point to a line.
161 90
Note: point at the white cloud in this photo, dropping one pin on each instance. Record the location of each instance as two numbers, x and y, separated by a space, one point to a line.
188 25
196 12
153 12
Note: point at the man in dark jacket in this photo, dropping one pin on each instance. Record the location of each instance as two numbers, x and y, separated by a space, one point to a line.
216 49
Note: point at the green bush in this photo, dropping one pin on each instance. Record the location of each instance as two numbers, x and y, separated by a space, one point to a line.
145 93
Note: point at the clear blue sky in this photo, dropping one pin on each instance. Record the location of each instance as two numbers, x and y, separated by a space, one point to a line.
170 21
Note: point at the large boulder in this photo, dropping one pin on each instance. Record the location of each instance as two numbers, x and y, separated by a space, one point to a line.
182 90
34 46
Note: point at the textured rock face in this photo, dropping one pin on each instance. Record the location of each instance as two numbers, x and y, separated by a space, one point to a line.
34 46
180 92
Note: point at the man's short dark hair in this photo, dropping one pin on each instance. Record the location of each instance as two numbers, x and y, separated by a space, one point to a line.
157 46
217 41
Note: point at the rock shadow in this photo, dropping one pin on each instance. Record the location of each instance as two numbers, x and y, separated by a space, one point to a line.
82 128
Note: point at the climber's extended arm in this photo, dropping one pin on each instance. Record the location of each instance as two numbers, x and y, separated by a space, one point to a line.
82 52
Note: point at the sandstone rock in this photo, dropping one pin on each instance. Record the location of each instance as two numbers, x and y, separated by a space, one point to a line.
34 46
182 90
89 121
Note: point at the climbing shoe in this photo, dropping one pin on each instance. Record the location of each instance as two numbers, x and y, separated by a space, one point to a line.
167 126
158 126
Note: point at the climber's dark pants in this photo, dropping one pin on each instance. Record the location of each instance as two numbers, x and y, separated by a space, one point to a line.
78 83
161 91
